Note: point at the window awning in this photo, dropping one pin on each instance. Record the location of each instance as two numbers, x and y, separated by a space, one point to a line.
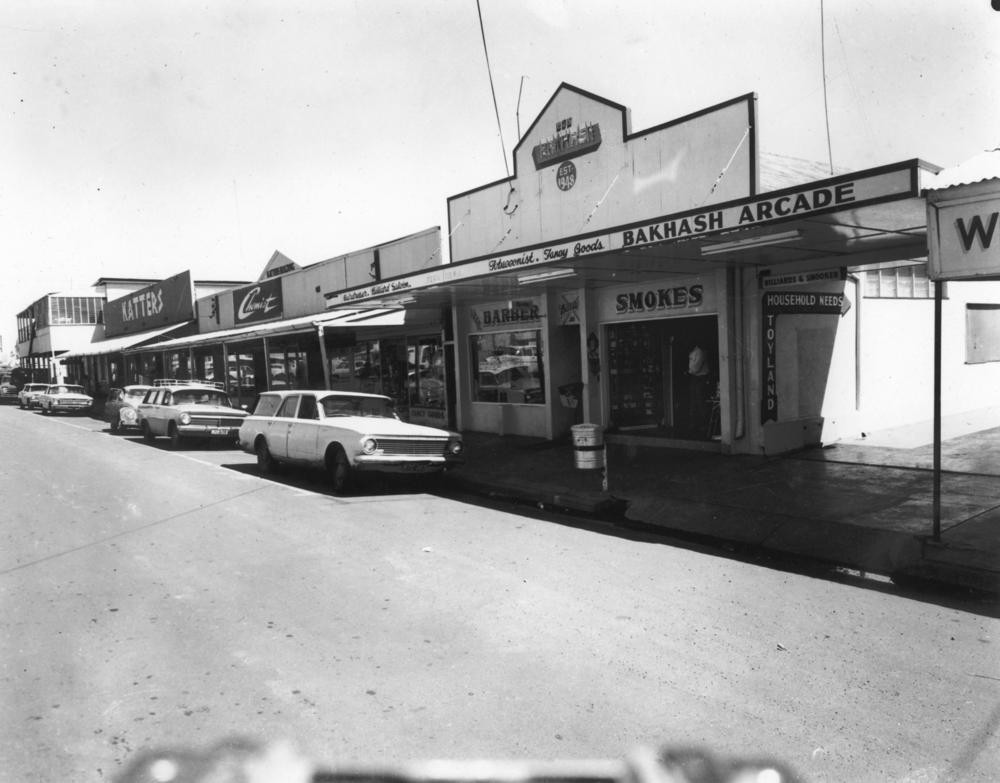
306 323
119 344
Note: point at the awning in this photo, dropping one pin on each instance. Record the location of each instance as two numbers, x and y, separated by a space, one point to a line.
306 323
119 344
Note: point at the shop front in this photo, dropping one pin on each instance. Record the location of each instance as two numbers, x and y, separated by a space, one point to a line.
660 346
673 286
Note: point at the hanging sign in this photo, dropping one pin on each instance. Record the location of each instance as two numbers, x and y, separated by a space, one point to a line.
964 233
569 309
776 303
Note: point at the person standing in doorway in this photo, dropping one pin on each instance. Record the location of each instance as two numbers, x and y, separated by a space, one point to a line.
698 376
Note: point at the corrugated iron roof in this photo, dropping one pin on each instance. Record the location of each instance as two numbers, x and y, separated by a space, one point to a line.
783 171
981 167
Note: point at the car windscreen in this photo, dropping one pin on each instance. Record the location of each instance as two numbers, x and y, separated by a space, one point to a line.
201 397
350 405
135 394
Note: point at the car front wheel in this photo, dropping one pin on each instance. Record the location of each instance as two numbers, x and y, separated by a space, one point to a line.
176 441
340 472
116 423
265 462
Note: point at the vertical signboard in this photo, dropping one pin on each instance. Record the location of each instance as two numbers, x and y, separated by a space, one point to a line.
774 304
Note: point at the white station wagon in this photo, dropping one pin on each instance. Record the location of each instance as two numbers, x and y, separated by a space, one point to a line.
343 433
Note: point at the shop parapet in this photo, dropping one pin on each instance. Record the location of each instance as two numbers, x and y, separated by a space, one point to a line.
875 186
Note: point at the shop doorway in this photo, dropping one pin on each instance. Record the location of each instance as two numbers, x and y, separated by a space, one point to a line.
246 374
663 377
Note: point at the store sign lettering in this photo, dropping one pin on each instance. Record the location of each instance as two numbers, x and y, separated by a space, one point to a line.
159 304
142 305
762 211
976 230
566 143
510 315
256 304
377 290
774 304
659 299
261 302
964 234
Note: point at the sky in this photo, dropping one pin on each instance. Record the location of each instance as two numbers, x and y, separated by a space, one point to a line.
143 139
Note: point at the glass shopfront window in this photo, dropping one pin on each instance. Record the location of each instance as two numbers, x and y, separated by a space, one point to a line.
177 365
425 380
507 367
208 365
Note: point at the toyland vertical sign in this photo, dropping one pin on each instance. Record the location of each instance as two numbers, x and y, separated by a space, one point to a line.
258 302
170 301
794 302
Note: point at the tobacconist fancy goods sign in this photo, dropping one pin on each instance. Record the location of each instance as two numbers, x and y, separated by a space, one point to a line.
258 302
170 301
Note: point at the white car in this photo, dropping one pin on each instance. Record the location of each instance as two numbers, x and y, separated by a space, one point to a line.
122 408
64 398
183 411
28 396
343 433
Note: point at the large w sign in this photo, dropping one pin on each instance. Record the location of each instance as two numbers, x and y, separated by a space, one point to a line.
963 232
975 229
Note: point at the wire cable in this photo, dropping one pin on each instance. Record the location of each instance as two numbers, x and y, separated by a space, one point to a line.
489 71
826 108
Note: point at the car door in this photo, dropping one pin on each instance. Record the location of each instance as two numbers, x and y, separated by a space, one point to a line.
280 425
145 407
303 431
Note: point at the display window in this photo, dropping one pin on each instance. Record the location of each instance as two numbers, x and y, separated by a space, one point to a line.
208 365
425 378
507 367
663 377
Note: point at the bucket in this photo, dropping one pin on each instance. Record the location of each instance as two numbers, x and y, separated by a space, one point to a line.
588 446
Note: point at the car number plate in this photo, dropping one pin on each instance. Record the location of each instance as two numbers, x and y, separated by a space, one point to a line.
220 431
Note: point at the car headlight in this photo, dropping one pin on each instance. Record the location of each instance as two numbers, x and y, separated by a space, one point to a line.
184 418
127 414
369 446
455 447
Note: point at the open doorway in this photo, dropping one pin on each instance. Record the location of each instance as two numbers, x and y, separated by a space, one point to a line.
663 377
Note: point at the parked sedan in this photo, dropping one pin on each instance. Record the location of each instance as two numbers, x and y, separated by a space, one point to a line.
28 396
64 398
122 408
343 433
188 410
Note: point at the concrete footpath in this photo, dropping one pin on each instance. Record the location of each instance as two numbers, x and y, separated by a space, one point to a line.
865 505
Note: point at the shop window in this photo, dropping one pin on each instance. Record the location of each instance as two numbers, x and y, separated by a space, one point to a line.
982 333
425 374
507 367
899 282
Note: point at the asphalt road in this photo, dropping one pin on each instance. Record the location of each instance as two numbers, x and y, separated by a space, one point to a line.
152 597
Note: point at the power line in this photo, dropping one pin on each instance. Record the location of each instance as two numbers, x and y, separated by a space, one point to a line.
826 109
489 71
